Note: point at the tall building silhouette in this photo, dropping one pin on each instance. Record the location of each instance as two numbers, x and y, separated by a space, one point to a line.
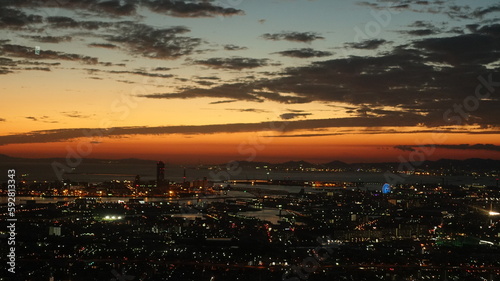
160 173
137 181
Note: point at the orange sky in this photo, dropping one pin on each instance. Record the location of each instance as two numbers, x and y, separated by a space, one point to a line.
248 146
216 83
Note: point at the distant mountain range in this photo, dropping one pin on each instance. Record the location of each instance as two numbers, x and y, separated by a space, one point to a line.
473 164
446 164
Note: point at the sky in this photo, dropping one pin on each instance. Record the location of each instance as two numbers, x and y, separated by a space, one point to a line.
277 80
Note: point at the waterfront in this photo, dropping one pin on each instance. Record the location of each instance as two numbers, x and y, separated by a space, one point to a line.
100 172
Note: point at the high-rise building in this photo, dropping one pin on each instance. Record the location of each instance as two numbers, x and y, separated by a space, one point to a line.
160 173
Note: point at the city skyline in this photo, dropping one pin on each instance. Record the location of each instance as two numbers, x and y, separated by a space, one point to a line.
214 81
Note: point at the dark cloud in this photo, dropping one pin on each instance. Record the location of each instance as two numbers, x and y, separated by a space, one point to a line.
305 37
459 12
4 70
289 116
66 22
111 7
122 81
142 73
7 62
277 97
231 47
304 135
232 63
190 9
255 110
287 126
36 68
462 49
116 8
43 119
111 64
27 52
488 147
208 77
295 110
27 62
492 30
422 24
62 22
238 91
449 8
154 43
421 32
103 45
481 12
396 5
304 53
138 39
416 82
11 18
367 44
454 11
357 80
161 69
75 114
58 135
457 30
472 27
204 83
49 39
134 72
2 120
223 101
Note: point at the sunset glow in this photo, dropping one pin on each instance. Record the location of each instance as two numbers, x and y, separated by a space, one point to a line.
357 82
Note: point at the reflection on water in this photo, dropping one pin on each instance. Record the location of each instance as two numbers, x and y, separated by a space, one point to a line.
186 200
266 214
